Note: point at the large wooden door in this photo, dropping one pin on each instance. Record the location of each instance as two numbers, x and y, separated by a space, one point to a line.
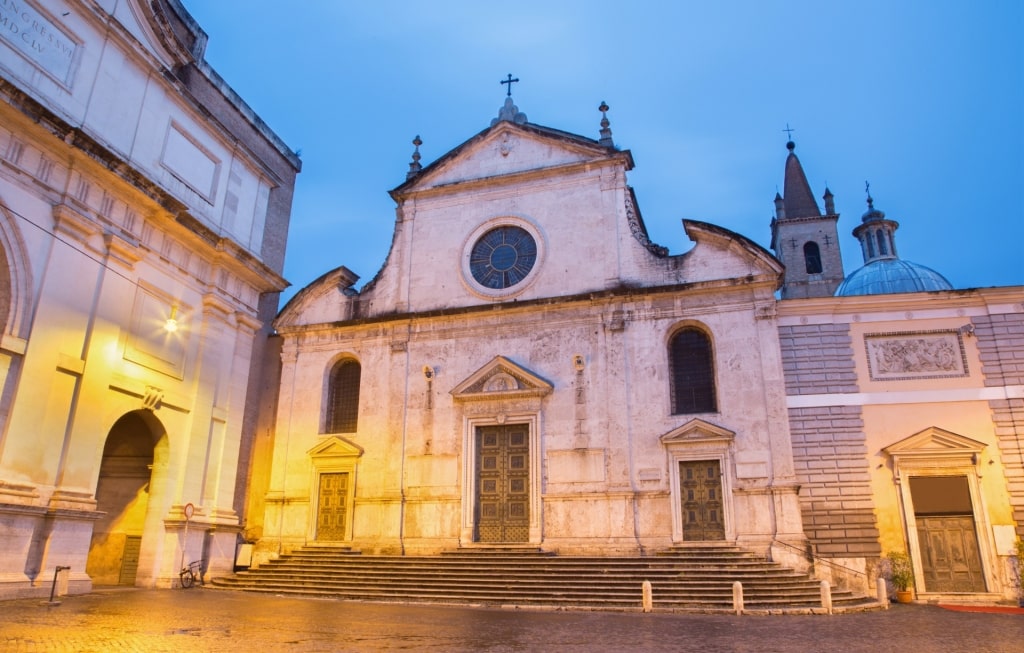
700 483
946 535
949 554
332 515
503 484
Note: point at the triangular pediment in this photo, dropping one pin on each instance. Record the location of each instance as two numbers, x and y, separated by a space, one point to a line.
505 149
501 379
935 441
335 447
697 430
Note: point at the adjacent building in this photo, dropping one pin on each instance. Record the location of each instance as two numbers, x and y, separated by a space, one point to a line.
906 407
144 212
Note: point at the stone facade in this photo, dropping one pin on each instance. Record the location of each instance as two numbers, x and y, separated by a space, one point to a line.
570 356
143 217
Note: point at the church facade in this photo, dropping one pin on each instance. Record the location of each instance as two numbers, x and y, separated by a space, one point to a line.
143 218
528 369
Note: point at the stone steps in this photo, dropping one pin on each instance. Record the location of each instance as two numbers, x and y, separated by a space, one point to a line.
683 579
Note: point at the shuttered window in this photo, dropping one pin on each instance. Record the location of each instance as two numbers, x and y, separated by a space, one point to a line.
693 374
343 398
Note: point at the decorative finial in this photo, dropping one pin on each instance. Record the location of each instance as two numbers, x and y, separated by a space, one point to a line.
509 81
872 213
415 166
790 145
606 132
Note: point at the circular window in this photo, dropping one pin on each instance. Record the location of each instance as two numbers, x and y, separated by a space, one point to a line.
503 257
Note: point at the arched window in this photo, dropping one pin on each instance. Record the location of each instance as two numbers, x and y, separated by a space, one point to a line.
343 397
693 373
812 257
882 249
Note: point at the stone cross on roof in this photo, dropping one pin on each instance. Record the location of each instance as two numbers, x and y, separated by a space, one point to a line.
509 81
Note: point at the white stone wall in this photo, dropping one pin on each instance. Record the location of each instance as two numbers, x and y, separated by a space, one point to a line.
115 189
591 326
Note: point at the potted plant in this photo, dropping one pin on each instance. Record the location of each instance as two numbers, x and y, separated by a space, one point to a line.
901 573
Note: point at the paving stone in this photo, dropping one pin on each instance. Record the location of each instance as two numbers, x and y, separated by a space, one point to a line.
211 620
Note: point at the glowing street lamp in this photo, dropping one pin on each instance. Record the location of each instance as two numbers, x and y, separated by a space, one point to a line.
171 325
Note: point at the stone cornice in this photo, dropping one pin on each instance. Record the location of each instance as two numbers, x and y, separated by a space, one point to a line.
764 282
982 299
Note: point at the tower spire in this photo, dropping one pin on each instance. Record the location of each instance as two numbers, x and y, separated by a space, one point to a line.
804 239
799 200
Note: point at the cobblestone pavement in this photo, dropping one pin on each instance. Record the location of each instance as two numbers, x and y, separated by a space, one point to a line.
212 620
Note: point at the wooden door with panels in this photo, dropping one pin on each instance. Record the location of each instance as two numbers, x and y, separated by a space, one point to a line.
700 484
332 509
502 505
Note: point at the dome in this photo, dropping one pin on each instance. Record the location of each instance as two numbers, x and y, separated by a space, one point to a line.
892 275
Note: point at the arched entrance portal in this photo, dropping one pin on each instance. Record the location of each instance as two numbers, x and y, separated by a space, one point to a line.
134 461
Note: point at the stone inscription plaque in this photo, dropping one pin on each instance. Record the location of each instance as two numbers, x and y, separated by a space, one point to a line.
32 34
915 355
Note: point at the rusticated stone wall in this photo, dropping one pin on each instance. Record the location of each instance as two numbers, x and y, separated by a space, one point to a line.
1001 349
829 450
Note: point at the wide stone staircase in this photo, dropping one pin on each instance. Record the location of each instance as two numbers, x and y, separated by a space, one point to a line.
683 579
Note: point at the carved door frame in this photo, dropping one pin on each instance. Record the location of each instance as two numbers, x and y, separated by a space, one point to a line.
332 456
937 452
695 441
470 476
499 393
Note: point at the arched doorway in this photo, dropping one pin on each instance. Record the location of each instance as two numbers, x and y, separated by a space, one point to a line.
134 459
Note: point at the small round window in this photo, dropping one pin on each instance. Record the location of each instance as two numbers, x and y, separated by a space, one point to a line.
502 257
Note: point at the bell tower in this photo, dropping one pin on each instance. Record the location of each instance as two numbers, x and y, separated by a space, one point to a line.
804 239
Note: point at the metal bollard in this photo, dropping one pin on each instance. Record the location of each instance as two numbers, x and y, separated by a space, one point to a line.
826 596
882 592
737 597
648 596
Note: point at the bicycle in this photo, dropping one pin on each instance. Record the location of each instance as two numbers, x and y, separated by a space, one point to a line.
188 575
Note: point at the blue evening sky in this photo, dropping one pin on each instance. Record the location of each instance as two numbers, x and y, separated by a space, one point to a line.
923 99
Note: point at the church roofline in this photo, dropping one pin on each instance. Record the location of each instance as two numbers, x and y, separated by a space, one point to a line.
185 40
694 227
340 278
575 140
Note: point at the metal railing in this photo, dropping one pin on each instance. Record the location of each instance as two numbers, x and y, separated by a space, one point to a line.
814 559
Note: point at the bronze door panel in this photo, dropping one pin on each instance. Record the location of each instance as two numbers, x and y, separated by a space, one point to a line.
700 486
503 484
332 513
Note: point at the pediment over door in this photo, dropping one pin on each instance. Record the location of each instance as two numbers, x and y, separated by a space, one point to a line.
697 430
501 379
335 447
936 447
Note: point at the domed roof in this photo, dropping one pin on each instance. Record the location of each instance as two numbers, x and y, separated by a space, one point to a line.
892 275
